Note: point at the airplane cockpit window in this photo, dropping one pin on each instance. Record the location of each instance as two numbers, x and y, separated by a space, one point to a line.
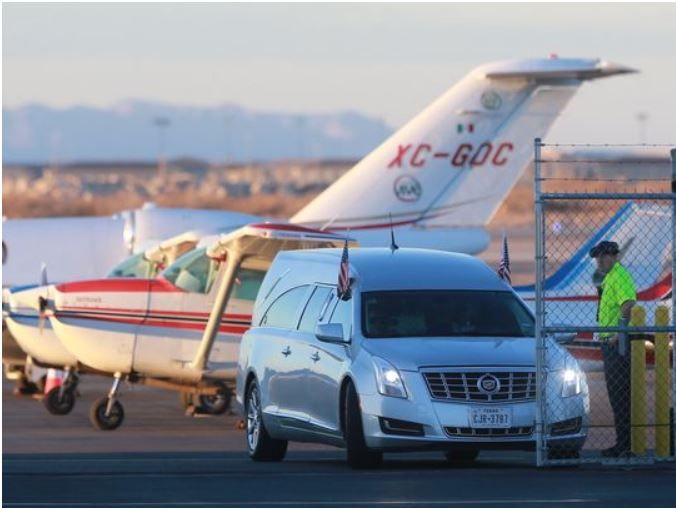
247 283
193 272
136 266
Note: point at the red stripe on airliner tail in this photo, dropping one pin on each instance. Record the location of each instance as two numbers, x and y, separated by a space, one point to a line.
119 285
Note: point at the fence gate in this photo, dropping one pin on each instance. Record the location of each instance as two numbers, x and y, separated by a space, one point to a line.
606 384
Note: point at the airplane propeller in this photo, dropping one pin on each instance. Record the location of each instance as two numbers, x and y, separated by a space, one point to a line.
43 301
42 307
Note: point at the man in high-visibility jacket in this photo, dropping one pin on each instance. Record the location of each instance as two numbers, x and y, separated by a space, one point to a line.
618 296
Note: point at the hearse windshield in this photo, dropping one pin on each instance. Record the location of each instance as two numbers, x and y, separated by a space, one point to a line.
445 313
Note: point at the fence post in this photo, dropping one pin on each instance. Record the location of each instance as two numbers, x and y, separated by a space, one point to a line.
540 380
672 419
638 386
662 384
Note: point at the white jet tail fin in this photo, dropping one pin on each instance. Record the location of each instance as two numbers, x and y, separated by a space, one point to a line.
455 162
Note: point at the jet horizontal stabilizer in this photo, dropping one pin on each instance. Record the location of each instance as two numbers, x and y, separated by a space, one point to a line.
554 69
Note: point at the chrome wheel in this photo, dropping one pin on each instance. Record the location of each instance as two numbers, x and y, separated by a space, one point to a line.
253 418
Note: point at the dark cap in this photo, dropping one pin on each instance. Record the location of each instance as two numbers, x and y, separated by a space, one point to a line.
604 248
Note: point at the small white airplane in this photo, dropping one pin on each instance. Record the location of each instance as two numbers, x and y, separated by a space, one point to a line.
450 166
33 332
182 330
441 177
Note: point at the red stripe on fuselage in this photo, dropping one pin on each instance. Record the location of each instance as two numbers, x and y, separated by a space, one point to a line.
233 316
595 354
141 321
655 293
119 285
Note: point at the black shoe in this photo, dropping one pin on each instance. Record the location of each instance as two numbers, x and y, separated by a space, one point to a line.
617 451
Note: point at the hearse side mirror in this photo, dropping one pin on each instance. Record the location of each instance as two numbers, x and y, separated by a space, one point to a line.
332 332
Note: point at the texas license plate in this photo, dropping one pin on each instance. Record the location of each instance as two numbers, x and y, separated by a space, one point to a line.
490 417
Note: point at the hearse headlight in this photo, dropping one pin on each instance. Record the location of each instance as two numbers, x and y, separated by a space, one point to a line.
572 384
388 379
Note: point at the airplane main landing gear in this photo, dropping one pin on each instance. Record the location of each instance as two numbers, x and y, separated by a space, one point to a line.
61 400
215 404
107 413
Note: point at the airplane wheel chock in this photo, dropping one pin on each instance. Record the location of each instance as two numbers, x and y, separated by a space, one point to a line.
104 418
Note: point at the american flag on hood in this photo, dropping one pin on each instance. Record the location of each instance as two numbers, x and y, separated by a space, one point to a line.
344 275
504 271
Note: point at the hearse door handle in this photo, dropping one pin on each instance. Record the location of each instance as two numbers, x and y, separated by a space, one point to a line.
286 351
315 357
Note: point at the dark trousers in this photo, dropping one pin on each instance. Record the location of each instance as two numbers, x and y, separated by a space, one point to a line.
617 370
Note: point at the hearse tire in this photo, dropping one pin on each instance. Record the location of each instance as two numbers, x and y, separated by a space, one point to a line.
260 446
359 456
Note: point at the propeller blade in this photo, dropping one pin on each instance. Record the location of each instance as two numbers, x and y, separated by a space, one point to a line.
42 312
43 274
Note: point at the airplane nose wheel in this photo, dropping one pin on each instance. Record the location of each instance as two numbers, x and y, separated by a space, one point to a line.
107 413
61 400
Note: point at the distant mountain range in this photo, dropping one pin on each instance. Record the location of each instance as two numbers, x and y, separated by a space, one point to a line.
135 130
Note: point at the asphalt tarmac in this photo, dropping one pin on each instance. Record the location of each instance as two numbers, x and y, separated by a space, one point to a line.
159 457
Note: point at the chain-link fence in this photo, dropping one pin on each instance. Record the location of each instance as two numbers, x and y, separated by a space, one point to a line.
605 326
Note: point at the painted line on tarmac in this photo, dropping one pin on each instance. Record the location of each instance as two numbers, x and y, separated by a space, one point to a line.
301 502
217 474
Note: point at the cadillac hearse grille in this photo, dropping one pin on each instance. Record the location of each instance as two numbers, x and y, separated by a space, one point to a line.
471 432
481 386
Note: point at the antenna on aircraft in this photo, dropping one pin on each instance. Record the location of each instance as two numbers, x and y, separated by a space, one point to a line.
393 245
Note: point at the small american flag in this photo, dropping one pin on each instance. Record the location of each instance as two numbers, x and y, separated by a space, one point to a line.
344 275
503 269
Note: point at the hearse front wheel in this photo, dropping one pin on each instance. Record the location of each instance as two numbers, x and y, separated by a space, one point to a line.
359 456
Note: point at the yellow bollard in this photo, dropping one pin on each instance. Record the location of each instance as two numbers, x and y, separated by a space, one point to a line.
638 386
662 384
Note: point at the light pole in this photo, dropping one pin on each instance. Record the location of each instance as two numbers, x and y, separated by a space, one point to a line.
162 123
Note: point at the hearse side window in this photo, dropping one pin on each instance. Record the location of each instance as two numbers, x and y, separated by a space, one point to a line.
282 312
136 266
342 314
247 283
444 313
313 308
193 272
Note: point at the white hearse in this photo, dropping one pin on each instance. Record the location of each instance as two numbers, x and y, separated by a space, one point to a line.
430 350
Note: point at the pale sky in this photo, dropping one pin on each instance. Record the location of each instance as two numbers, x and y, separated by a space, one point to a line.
384 60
